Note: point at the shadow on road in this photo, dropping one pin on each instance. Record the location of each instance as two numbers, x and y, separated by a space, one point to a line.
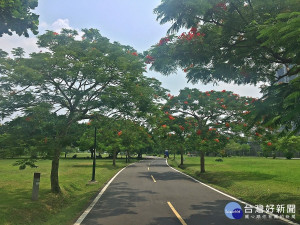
119 200
213 213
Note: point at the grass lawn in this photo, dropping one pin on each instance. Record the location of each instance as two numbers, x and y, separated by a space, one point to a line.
254 180
16 206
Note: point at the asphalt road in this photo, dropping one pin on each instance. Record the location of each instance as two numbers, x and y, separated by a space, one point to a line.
150 192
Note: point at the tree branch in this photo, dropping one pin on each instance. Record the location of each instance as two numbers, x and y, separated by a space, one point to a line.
236 8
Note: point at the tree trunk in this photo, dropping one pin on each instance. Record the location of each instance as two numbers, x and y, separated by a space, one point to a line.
181 161
140 155
92 154
65 155
174 153
128 156
202 166
54 172
114 158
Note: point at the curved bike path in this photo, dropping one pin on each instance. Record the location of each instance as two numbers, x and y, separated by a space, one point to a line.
150 192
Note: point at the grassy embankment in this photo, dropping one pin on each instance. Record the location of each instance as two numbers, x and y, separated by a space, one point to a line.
16 206
254 180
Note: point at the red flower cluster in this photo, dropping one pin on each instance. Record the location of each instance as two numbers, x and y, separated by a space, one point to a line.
227 124
163 41
193 30
28 118
222 5
224 91
171 117
223 106
217 140
181 128
164 126
207 93
190 35
170 96
258 134
55 33
269 143
253 100
236 95
186 69
185 102
120 133
149 59
199 132
134 53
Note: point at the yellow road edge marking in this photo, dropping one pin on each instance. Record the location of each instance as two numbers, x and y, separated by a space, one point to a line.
177 214
153 179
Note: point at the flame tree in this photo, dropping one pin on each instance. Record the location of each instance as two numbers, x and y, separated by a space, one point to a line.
211 118
235 42
78 77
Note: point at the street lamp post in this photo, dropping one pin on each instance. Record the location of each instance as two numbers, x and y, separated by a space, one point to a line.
94 158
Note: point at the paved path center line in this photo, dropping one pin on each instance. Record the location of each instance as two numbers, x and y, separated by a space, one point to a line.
153 179
177 214
229 196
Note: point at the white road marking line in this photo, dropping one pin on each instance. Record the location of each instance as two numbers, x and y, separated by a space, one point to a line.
229 196
86 212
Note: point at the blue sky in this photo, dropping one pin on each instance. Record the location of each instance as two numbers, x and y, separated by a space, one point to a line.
130 22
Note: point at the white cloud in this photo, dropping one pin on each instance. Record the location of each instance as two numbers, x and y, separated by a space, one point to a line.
7 43
58 25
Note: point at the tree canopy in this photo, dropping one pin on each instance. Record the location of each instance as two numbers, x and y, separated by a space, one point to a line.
208 119
79 78
230 41
279 107
16 16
